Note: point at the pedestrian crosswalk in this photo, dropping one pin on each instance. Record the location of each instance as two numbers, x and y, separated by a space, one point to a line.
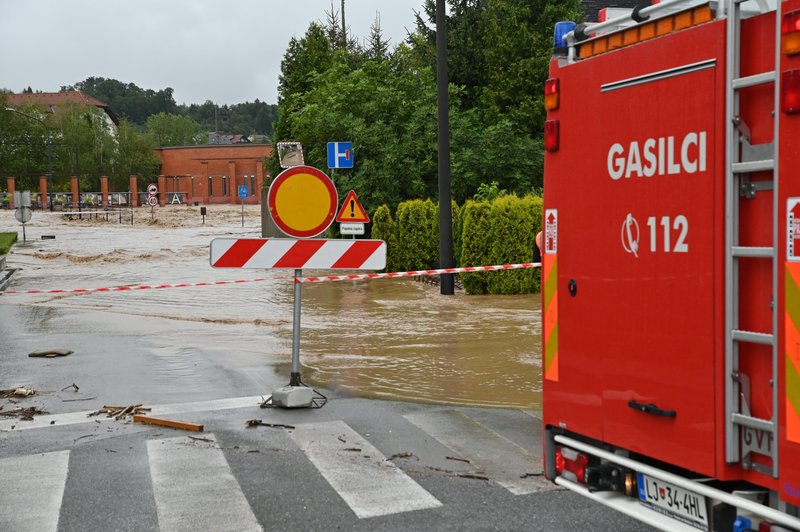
359 472
194 485
39 478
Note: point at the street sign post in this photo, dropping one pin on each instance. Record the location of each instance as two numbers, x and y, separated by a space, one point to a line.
22 211
340 155
352 216
302 201
242 195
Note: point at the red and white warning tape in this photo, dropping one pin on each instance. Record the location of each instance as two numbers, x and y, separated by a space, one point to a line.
136 288
416 273
133 288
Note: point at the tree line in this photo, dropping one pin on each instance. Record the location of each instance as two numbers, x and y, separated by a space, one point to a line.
332 88
138 105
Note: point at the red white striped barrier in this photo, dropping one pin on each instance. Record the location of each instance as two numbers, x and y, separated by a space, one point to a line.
416 273
138 288
298 254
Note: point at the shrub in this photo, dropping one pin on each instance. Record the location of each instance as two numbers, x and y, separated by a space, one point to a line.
384 228
475 244
500 232
513 229
417 235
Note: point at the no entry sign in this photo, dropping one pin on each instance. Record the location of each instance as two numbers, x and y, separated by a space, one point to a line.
303 201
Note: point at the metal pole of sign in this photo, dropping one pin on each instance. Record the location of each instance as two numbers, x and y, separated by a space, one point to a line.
294 379
242 212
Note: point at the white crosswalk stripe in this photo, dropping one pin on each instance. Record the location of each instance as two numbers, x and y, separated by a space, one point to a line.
33 488
500 459
195 489
360 474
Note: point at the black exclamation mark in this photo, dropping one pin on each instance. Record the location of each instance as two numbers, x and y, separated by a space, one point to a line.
352 208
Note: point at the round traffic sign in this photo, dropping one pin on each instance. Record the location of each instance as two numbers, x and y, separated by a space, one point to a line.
152 189
152 201
303 201
23 214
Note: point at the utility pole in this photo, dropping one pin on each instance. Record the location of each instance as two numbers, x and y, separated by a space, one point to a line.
446 259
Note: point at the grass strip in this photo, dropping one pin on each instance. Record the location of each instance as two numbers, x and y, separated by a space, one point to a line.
6 240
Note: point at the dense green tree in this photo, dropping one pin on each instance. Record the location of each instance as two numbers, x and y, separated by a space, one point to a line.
173 130
304 60
385 102
134 156
83 142
127 100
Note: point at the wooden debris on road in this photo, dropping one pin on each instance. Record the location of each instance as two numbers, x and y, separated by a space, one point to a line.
21 391
119 412
472 475
50 353
458 459
400 455
25 414
250 423
167 423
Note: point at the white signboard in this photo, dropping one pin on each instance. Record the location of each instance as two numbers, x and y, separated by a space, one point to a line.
351 229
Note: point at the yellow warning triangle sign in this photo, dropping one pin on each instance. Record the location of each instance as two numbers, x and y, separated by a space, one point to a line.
352 211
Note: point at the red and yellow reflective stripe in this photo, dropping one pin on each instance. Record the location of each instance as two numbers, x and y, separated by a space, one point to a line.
550 265
792 347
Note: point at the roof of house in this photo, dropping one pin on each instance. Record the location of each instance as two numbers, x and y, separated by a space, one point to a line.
52 100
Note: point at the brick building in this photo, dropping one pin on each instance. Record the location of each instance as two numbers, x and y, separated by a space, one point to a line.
212 173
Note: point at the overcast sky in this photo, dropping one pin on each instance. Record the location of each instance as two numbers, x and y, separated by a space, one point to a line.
225 51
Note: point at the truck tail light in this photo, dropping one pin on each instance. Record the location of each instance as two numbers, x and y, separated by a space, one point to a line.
551 135
790 93
551 94
790 33
571 464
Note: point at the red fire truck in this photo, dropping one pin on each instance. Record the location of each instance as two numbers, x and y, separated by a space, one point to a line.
671 264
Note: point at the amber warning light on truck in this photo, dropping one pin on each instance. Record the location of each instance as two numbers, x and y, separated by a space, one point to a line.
661 156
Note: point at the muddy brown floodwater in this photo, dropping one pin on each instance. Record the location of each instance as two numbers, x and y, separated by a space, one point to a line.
391 339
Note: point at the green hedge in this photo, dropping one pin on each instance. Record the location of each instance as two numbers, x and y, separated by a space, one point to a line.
6 240
417 233
484 233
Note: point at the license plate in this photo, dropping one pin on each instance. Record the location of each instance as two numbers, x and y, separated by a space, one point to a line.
670 500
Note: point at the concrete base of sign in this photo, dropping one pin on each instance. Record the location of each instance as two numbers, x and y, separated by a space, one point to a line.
293 397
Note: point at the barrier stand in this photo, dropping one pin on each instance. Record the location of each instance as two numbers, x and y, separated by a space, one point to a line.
297 254
296 394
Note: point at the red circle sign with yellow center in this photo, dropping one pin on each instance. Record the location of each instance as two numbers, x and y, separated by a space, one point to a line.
302 201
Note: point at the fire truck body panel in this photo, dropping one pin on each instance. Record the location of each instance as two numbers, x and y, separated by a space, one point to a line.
636 305
649 311
788 296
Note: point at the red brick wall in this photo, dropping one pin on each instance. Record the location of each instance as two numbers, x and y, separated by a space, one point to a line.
180 164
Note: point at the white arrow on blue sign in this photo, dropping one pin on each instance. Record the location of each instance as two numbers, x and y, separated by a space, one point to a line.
243 193
340 155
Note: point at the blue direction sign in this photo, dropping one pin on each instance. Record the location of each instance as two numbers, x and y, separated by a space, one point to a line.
340 155
243 191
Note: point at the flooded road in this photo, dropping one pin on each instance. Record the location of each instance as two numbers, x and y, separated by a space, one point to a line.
388 338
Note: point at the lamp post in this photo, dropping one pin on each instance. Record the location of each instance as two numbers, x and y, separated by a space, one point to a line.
49 143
